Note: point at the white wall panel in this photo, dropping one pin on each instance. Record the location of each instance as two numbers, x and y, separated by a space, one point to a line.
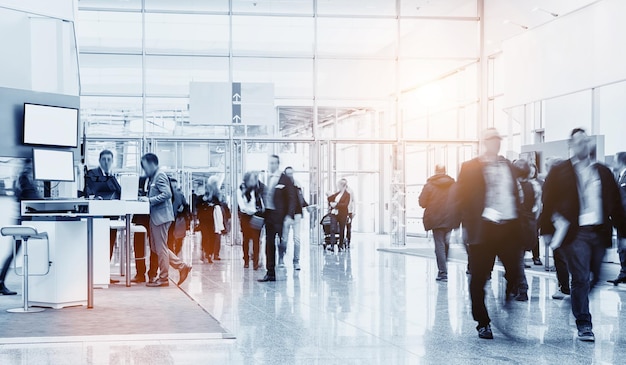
574 52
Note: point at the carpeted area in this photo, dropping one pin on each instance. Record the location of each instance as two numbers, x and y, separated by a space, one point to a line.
119 313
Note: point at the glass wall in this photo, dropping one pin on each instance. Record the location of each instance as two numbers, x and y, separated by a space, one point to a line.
379 59
354 78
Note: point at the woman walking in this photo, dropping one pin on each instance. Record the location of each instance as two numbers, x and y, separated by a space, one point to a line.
251 209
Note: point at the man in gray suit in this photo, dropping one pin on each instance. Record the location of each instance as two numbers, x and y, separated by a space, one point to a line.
161 217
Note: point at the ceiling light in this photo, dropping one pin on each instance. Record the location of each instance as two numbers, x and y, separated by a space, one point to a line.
507 21
545 11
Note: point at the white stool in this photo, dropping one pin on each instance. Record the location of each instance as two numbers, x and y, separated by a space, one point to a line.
24 233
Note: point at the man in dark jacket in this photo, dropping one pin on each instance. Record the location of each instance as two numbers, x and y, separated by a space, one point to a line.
488 201
294 223
620 171
285 201
439 216
583 194
280 202
339 203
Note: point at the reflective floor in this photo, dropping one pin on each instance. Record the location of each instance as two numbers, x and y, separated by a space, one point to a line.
360 307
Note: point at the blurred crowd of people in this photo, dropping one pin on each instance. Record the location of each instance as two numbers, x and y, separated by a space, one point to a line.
505 206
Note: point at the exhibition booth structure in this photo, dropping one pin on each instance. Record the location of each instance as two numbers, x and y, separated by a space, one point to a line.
69 255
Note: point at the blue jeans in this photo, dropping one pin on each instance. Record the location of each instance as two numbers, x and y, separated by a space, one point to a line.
584 257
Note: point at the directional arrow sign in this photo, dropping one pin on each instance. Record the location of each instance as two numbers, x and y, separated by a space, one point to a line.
236 98
236 119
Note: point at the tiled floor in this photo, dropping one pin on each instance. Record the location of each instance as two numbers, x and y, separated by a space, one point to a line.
361 307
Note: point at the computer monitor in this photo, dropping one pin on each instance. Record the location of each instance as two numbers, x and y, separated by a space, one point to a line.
50 125
53 165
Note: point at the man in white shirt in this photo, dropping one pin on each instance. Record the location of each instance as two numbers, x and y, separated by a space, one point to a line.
584 194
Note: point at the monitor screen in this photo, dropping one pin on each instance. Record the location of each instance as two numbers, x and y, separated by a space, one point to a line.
50 125
53 165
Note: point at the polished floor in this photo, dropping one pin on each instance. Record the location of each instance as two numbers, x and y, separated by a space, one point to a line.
358 307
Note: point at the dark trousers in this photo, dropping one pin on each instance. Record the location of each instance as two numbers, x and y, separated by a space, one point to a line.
139 244
498 240
273 227
7 262
173 243
562 272
621 250
349 228
250 235
338 221
112 240
210 239
441 237
584 259
217 245
536 253
523 283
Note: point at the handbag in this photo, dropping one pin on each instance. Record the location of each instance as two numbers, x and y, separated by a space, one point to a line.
257 222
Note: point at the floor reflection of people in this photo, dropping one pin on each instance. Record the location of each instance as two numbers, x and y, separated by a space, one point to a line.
441 328
337 273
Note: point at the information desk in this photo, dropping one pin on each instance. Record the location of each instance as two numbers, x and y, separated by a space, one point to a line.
68 212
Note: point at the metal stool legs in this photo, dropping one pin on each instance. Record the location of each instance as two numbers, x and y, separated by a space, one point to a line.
25 308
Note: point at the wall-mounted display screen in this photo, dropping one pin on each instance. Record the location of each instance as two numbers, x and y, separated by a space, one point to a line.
53 165
50 125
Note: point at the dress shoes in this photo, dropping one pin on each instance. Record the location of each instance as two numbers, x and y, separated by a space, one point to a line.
617 281
138 279
6 291
113 281
485 332
267 278
184 272
296 266
158 283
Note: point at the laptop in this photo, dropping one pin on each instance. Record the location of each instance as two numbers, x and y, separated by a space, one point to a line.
129 184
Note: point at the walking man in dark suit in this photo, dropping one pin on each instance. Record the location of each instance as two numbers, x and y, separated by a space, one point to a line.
488 199
585 195
620 170
102 184
280 202
161 217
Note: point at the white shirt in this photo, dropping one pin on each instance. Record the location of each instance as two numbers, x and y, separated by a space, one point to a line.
335 211
272 181
500 204
248 207
589 193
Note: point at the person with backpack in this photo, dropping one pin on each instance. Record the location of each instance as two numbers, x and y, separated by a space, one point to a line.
439 216
182 218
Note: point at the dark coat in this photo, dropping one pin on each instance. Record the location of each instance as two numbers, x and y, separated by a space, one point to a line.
528 221
470 197
205 209
102 186
434 198
621 184
342 205
285 197
560 195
